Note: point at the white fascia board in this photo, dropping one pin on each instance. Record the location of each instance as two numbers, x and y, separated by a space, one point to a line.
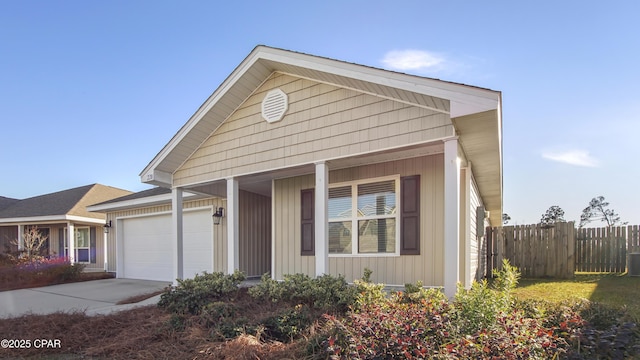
137 203
51 219
201 112
457 93
83 219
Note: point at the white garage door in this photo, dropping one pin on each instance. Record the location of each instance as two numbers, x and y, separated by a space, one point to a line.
147 246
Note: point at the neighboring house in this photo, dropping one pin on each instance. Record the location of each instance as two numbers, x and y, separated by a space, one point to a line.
57 215
321 167
9 233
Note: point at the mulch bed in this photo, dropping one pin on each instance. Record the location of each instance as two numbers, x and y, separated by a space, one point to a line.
142 333
85 276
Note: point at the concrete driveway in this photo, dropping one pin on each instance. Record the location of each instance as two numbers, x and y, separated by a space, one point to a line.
95 297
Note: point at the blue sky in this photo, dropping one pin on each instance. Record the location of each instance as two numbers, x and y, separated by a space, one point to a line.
90 91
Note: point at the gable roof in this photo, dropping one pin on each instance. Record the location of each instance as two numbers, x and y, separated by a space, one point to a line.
263 61
59 205
475 112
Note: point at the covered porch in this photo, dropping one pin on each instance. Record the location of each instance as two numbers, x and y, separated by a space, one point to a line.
241 238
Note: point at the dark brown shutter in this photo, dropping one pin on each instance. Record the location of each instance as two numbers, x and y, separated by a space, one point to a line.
61 242
410 215
92 245
308 247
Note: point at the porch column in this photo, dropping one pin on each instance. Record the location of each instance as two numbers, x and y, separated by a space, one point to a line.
321 220
233 226
71 239
20 237
451 217
105 249
119 250
178 234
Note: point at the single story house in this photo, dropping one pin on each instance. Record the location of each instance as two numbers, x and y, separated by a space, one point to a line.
320 166
57 215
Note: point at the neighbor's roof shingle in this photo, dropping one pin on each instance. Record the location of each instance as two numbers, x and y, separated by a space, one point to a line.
139 195
57 203
5 202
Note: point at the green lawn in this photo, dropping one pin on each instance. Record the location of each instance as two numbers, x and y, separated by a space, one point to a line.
616 290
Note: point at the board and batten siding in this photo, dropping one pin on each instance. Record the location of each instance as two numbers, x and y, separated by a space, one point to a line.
477 241
472 255
254 234
322 122
391 270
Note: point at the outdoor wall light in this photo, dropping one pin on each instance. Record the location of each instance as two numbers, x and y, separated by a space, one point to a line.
217 216
107 226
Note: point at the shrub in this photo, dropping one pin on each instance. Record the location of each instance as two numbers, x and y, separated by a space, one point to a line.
403 330
416 293
512 337
192 295
479 307
7 260
325 292
368 293
288 324
68 272
38 271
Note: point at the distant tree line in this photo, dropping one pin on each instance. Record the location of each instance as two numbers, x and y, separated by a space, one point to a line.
597 210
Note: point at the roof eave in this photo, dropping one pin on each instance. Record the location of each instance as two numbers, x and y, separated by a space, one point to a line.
154 200
49 219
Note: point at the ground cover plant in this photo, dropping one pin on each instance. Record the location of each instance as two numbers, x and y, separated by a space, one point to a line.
214 317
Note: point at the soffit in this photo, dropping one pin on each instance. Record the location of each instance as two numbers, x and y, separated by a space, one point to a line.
480 138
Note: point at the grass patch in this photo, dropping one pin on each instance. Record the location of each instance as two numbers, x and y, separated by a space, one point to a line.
618 291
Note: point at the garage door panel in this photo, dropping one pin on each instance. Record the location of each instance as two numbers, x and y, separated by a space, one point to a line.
197 243
147 248
147 245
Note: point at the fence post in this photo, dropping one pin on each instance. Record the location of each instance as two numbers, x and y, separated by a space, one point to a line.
571 243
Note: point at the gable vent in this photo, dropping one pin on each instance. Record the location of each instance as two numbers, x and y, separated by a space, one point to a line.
274 105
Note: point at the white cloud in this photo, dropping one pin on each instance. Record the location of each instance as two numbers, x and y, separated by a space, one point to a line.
417 60
572 157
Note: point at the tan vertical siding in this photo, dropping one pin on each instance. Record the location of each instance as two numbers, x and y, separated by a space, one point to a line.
323 122
286 220
396 270
463 236
478 254
255 233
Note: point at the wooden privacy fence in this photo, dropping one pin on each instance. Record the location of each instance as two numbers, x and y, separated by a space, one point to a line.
601 250
561 250
535 250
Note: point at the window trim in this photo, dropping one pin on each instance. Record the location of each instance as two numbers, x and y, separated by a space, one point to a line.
354 219
76 248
